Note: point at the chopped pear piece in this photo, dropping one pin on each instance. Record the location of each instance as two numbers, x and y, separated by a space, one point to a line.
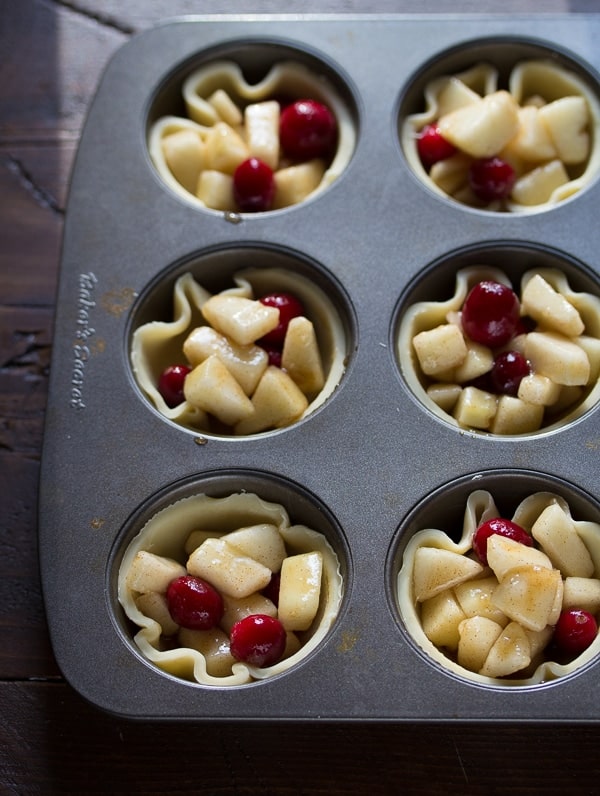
228 570
154 605
440 349
150 572
538 640
436 569
514 416
477 635
532 141
475 599
225 149
185 155
214 645
591 346
440 618
444 395
211 387
455 94
226 108
566 119
583 593
537 389
568 396
510 653
277 402
215 190
242 319
550 308
294 183
262 542
301 357
262 131
239 608
478 360
528 595
483 128
537 186
451 174
475 408
555 531
504 554
246 363
557 357
299 590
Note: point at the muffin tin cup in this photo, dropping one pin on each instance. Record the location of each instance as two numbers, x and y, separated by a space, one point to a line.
444 519
368 456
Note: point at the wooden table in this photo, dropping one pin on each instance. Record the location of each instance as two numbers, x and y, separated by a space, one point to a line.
51 741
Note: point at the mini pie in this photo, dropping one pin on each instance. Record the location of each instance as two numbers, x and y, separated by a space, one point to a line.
159 343
168 535
463 599
545 125
447 393
176 139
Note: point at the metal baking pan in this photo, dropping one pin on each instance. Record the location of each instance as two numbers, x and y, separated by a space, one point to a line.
360 465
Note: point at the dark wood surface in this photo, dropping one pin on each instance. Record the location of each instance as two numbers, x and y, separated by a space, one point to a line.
51 741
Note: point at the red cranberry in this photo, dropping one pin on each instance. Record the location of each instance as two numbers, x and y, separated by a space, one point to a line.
170 384
258 639
307 129
490 314
491 178
502 527
253 186
194 603
432 146
289 307
574 632
508 370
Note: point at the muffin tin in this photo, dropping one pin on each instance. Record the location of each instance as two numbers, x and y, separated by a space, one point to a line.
371 465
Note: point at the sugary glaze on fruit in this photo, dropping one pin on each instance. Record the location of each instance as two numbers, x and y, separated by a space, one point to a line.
284 80
158 344
167 533
531 85
480 507
572 402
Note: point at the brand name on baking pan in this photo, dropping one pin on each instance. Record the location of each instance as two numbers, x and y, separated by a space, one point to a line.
83 332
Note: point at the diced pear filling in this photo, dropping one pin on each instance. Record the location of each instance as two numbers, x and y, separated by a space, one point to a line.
185 154
300 590
211 387
549 308
215 189
483 128
440 349
239 564
262 131
277 402
498 620
231 387
149 572
203 159
242 319
300 356
547 141
563 360
227 569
